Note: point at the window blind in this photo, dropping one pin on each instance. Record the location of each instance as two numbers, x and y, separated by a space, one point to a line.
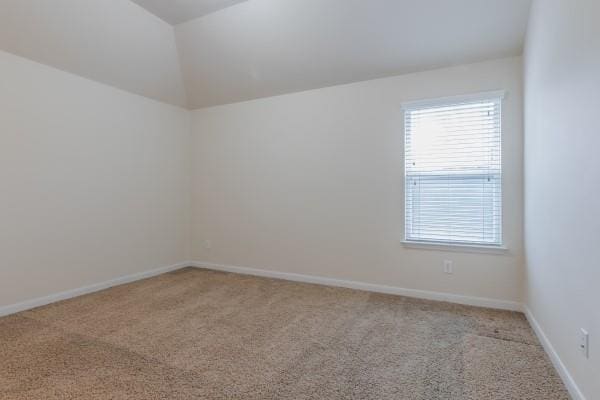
453 171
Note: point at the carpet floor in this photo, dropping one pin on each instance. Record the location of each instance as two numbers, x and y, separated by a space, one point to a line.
198 334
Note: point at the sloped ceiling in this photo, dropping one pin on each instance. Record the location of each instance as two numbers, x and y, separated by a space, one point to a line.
111 41
262 48
256 48
177 11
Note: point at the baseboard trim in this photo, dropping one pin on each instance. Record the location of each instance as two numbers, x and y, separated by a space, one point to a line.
564 374
371 287
68 294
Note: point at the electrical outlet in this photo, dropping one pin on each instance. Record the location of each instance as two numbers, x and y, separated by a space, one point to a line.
448 267
207 244
584 341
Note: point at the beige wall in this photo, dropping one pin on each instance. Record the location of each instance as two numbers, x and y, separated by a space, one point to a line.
562 140
312 183
94 182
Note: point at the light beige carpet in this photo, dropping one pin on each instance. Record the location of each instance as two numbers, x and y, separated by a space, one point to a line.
196 334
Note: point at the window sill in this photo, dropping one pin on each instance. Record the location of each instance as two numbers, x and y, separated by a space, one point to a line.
456 247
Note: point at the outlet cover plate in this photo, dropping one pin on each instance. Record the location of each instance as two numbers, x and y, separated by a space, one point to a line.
448 267
584 338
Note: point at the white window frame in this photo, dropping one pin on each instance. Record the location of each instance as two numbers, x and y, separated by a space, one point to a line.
453 245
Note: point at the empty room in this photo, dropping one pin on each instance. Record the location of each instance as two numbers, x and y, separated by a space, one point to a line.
299 199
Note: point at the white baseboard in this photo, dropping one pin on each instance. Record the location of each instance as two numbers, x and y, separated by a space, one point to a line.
68 294
371 287
556 361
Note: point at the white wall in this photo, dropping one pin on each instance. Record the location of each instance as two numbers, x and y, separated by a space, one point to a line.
312 183
562 190
115 42
94 182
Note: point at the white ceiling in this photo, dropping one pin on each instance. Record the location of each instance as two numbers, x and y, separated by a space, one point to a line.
114 42
177 11
256 48
262 48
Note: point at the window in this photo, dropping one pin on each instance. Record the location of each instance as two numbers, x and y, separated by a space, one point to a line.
453 170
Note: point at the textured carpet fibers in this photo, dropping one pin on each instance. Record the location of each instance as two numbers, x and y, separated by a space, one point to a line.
196 334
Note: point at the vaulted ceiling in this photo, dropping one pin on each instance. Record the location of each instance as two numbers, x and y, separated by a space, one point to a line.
234 50
178 11
111 41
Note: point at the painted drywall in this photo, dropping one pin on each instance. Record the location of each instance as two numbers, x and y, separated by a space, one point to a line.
94 182
259 48
115 42
562 180
263 48
178 11
312 183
